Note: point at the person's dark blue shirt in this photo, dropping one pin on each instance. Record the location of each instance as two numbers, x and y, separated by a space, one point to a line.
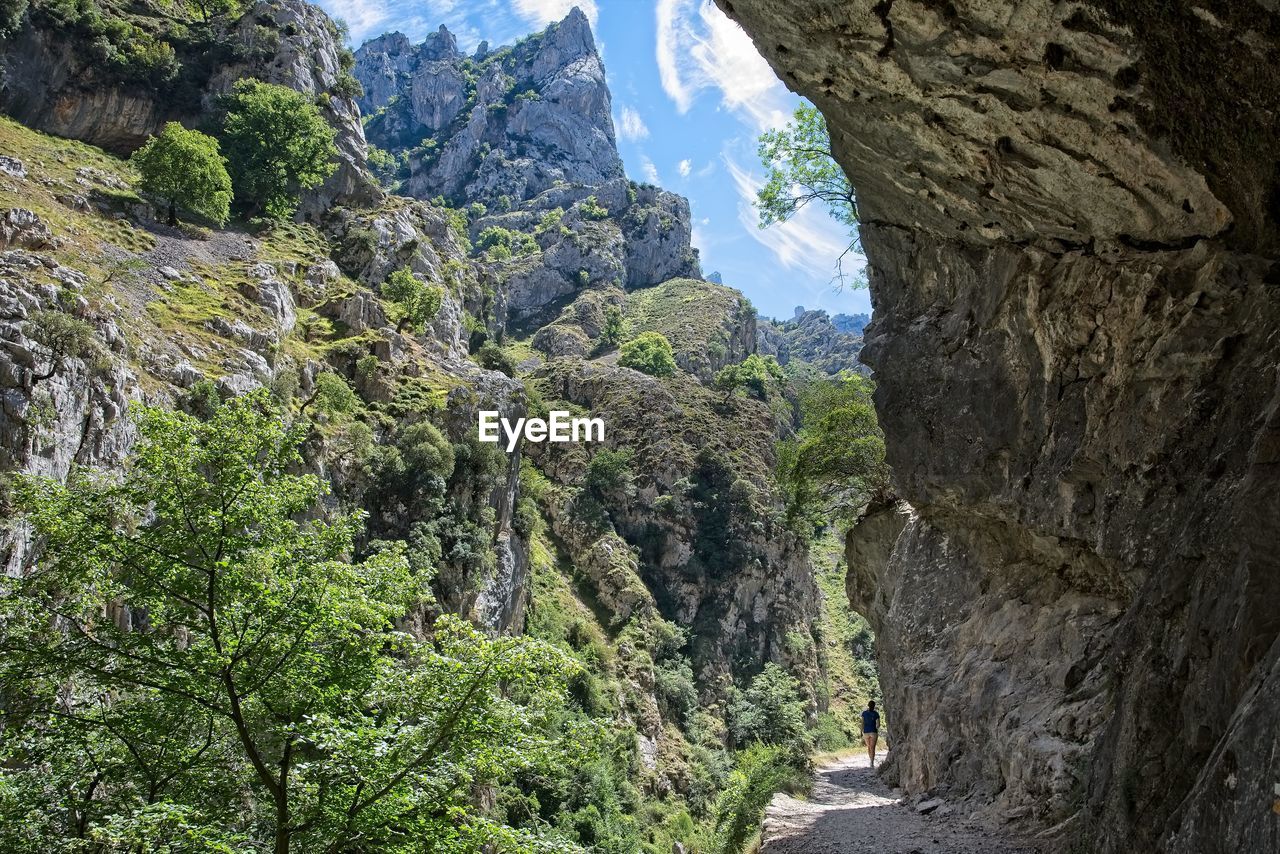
871 721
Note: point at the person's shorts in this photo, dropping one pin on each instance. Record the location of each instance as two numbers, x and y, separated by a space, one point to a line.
871 732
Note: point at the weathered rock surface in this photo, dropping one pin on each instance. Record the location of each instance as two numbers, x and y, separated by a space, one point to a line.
525 131
811 337
533 114
1073 264
50 81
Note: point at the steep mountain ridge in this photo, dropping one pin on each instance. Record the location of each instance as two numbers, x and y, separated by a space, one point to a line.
517 133
682 577
830 344
1073 265
511 122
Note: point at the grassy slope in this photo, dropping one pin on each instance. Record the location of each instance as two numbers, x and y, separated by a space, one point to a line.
88 198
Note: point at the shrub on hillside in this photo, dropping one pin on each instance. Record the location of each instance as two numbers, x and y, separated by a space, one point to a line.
500 244
755 374
761 771
770 711
414 303
650 353
494 358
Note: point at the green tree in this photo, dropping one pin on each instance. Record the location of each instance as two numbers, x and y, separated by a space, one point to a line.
11 14
414 303
649 352
755 374
800 170
836 461
502 244
770 711
493 357
332 395
210 9
196 665
185 168
62 336
278 145
615 327
384 165
609 475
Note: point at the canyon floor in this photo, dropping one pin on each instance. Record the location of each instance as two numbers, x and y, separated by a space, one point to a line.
850 811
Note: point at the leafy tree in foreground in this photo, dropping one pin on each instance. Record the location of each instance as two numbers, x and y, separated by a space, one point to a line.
185 168
836 462
650 353
190 667
800 171
278 145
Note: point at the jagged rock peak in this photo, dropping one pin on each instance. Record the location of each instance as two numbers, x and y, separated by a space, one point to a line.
504 124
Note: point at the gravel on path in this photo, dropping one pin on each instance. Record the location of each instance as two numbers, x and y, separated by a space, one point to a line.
851 811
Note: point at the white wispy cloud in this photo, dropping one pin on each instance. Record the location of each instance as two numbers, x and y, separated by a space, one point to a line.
699 47
684 167
364 18
539 13
700 239
810 241
503 20
631 126
649 171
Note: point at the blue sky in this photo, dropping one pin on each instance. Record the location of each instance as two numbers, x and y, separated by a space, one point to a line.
690 96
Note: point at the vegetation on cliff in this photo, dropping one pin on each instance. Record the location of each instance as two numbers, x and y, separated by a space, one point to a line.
633 631
245 660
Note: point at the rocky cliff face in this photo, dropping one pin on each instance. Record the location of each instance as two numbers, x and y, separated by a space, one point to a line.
812 337
52 79
517 134
510 123
1073 265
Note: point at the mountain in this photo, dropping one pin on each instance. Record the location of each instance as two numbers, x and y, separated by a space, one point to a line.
830 344
661 560
521 137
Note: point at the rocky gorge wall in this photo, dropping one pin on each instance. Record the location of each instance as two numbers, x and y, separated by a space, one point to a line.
175 312
53 79
1070 214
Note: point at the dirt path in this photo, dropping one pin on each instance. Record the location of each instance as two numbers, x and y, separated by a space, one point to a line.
851 811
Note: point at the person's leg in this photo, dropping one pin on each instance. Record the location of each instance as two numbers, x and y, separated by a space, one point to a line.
871 743
867 739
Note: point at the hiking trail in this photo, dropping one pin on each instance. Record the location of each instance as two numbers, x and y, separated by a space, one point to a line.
850 811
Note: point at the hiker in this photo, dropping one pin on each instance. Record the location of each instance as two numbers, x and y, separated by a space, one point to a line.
871 729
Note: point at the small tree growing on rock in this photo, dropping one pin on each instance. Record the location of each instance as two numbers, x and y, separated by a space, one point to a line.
615 327
754 374
414 303
650 353
61 337
186 169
